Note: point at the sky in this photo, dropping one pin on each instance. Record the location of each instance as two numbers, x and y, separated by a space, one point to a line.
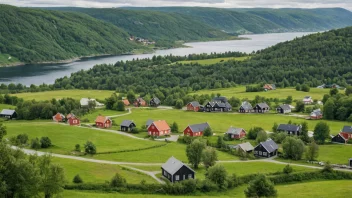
347 4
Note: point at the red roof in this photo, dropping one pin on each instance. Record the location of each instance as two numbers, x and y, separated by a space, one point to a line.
161 125
126 102
344 135
101 119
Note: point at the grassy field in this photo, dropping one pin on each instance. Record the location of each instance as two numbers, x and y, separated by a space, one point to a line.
321 189
4 60
76 94
98 173
5 106
240 92
214 60
220 122
93 115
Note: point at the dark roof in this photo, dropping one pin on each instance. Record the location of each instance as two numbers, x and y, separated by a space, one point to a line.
149 122
263 105
7 112
347 129
156 100
195 104
199 127
126 123
285 107
173 165
234 131
288 127
220 98
246 105
269 145
228 105
307 97
317 112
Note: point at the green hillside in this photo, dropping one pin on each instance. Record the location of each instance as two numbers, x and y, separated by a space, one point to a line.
265 20
32 36
157 26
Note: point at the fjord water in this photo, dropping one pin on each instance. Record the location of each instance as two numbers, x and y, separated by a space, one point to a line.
39 74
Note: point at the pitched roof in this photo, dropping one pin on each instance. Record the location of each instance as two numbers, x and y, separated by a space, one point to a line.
270 145
126 123
263 105
199 127
71 115
173 165
149 122
161 125
246 105
234 131
195 104
285 107
140 100
220 98
316 112
343 135
7 112
347 129
156 100
102 119
246 146
288 127
126 102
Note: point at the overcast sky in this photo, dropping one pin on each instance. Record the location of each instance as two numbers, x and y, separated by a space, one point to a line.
207 3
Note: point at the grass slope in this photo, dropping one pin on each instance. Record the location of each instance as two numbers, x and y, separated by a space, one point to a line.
75 93
5 106
104 112
7 61
214 60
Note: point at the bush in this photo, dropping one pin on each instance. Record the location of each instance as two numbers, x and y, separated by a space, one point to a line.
85 120
288 169
253 132
35 144
45 142
135 130
327 168
118 181
208 186
22 139
261 187
78 148
77 179
90 148
208 132
218 175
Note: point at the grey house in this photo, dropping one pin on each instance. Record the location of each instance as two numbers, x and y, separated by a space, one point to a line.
174 170
261 108
285 108
9 114
290 129
127 125
266 149
246 107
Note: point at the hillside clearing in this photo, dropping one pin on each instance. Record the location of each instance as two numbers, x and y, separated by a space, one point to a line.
214 60
75 93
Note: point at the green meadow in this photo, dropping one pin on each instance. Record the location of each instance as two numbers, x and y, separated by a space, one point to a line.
214 60
240 92
5 106
104 112
75 93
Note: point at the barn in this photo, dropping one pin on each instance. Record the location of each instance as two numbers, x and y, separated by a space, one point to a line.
59 117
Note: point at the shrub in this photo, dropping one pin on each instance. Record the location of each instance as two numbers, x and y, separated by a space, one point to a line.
77 179
218 175
78 148
35 144
288 169
118 181
22 139
261 187
327 168
207 186
135 130
90 148
45 142
208 132
85 120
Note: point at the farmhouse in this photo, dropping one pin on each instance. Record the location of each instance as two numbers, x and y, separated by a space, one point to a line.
347 132
140 102
59 117
193 106
283 109
174 170
72 119
9 114
246 107
290 129
218 104
316 114
307 100
148 123
269 87
236 133
86 101
159 128
126 102
340 138
196 129
103 122
266 149
127 125
154 102
261 108
245 147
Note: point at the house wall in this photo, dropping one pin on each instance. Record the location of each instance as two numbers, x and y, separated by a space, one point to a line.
153 131
107 124
189 132
183 173
191 108
338 139
349 135
74 121
237 137
166 174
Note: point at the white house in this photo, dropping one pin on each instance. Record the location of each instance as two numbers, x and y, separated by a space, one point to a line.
307 100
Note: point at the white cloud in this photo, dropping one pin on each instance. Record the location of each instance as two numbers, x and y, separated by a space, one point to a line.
347 4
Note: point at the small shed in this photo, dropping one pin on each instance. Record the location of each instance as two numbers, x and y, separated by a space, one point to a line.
103 122
174 170
246 107
9 114
154 102
261 108
246 147
127 125
339 138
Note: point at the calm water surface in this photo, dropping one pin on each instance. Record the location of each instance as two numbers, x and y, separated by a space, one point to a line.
38 74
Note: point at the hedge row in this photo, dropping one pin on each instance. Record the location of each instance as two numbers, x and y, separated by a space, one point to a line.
133 150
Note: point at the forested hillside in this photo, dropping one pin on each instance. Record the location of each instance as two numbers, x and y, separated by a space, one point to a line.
265 20
32 35
157 26
313 60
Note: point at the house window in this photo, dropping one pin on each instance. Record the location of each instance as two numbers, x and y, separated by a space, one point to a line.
265 153
189 176
184 177
177 177
260 153
165 173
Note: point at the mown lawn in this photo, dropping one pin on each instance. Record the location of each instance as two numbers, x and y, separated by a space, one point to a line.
75 93
240 92
98 173
220 122
6 106
335 153
214 60
321 189
104 112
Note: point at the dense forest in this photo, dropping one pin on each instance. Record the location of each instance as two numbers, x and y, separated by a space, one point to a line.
157 26
264 20
33 35
311 60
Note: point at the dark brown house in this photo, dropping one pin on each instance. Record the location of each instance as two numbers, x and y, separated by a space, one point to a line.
154 102
174 170
261 108
266 149
127 125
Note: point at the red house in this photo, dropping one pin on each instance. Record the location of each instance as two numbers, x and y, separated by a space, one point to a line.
193 106
159 128
347 132
196 129
103 122
316 115
73 120
236 133
59 117
126 102
140 102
